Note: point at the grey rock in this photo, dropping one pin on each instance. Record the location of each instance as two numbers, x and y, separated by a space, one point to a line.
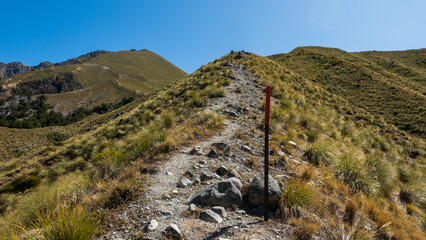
185 182
224 193
230 113
210 216
206 175
281 153
222 171
173 231
246 148
234 173
227 150
255 192
260 211
213 154
152 225
220 210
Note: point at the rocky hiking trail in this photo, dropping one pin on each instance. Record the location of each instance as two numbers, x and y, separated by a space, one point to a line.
198 192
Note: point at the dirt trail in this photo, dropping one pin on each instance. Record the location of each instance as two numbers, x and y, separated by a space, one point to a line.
167 203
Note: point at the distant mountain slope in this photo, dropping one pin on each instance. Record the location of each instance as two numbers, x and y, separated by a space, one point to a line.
389 84
15 68
94 78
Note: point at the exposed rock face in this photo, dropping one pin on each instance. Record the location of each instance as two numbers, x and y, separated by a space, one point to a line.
15 68
255 191
224 193
12 69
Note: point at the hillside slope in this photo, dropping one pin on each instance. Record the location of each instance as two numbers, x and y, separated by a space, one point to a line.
387 84
342 171
93 79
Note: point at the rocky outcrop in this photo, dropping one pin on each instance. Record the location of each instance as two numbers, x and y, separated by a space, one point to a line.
12 69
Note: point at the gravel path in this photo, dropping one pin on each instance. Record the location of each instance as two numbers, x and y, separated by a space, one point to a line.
167 203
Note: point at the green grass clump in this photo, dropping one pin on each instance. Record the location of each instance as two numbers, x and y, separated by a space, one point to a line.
295 197
355 174
66 222
319 153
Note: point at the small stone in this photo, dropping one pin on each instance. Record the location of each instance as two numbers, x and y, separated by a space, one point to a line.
226 150
220 211
167 196
230 113
175 191
152 225
210 216
197 150
192 207
292 143
166 213
173 231
202 162
234 173
241 212
213 154
185 182
169 173
246 148
222 171
281 153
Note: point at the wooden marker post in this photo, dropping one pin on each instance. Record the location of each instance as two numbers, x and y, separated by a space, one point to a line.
266 175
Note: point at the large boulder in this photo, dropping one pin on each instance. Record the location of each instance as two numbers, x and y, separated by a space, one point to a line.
256 192
224 193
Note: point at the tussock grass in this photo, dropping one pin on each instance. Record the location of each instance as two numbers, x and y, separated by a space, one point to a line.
296 197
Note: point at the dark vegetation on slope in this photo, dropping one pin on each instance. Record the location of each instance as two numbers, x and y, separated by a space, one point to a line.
387 84
28 113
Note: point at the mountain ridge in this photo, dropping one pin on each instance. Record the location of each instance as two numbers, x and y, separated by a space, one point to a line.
8 70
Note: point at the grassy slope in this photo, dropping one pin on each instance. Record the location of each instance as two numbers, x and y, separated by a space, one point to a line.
355 166
388 84
108 78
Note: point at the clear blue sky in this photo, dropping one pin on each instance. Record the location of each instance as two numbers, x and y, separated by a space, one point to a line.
193 33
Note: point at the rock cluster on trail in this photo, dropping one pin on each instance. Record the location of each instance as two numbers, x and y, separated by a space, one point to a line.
256 191
224 193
